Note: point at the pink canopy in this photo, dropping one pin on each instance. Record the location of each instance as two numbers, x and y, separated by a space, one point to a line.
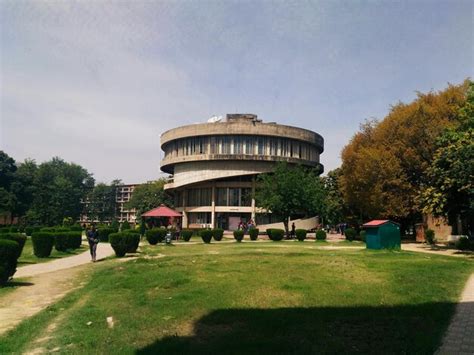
161 211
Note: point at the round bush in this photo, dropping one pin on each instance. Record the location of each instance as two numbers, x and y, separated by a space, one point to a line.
61 241
42 244
300 234
125 226
118 242
463 243
206 235
363 235
155 235
16 237
9 251
217 234
239 235
104 233
14 229
276 234
186 234
74 239
253 233
321 235
29 231
430 236
350 234
132 240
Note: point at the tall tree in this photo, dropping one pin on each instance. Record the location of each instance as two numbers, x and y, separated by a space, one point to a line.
101 202
7 173
148 196
335 209
23 186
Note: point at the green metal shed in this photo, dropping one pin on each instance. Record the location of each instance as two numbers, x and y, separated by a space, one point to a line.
382 234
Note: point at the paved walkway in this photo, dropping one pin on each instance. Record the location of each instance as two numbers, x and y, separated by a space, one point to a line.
424 248
459 338
44 285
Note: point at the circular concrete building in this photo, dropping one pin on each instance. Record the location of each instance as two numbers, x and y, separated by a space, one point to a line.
214 165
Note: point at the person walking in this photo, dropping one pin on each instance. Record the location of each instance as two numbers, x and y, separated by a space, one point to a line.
93 239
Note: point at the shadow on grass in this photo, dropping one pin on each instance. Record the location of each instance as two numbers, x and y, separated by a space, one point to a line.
18 284
375 330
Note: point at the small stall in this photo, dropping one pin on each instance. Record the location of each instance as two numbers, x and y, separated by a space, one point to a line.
162 212
382 234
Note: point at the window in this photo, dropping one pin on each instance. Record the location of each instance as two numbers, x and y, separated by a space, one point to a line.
199 217
261 146
199 197
234 196
237 145
249 146
221 197
246 197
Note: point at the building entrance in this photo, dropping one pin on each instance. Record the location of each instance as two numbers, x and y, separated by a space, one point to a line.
231 221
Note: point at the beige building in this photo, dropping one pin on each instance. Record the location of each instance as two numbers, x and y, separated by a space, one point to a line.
214 166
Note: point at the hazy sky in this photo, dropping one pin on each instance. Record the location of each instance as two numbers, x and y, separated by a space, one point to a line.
96 82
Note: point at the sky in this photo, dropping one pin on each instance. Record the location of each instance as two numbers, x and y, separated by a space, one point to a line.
97 82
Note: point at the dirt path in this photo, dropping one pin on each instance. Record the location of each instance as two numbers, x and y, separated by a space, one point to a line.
423 248
44 284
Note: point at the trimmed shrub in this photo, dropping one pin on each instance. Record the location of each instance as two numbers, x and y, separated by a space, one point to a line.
321 235
9 251
300 234
125 226
61 241
16 237
350 234
104 233
253 233
363 235
430 236
239 235
5 230
42 244
74 239
217 234
186 234
132 240
155 235
14 229
29 231
463 243
115 225
118 242
206 235
75 228
276 234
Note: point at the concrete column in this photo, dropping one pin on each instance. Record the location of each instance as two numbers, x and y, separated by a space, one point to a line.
253 200
213 207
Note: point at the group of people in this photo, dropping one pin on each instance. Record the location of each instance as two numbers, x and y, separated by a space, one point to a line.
246 226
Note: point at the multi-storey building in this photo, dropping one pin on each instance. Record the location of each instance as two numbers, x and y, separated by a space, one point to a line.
214 165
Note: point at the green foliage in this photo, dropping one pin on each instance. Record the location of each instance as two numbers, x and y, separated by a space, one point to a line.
133 240
61 242
206 235
13 229
430 236
42 244
320 234
74 239
363 235
155 235
335 207
218 233
101 202
4 230
29 231
68 221
9 252
148 196
186 234
115 225
118 241
275 234
125 226
350 234
104 233
16 237
291 190
300 234
463 243
75 228
238 235
253 232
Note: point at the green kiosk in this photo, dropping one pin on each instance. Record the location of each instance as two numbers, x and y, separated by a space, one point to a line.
382 234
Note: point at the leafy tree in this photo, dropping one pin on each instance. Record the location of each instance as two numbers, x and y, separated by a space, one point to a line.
101 202
23 186
290 191
335 209
148 196
7 172
449 191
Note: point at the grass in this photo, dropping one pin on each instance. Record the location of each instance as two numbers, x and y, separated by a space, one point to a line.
27 256
254 298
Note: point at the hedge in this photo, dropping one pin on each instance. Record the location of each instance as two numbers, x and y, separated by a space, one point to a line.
125 226
42 244
104 233
321 235
60 241
76 228
463 243
206 235
186 234
253 232
217 234
9 251
155 235
5 230
275 234
300 234
124 242
67 240
133 240
16 237
239 235
350 234
363 235
430 236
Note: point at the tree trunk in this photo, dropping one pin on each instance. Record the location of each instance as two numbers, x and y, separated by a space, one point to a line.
287 231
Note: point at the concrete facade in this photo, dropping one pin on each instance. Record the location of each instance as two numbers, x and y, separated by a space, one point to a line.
214 166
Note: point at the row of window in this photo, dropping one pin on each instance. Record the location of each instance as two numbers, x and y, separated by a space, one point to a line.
225 196
241 145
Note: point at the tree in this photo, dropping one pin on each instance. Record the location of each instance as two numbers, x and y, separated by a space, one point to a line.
7 172
23 186
385 165
289 191
101 202
335 208
148 196
449 191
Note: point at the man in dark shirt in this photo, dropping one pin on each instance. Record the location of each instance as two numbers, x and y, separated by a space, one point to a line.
93 239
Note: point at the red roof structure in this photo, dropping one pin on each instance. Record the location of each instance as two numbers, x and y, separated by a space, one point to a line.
375 223
162 211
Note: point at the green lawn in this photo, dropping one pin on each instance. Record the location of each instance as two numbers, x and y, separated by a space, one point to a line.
27 256
254 298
